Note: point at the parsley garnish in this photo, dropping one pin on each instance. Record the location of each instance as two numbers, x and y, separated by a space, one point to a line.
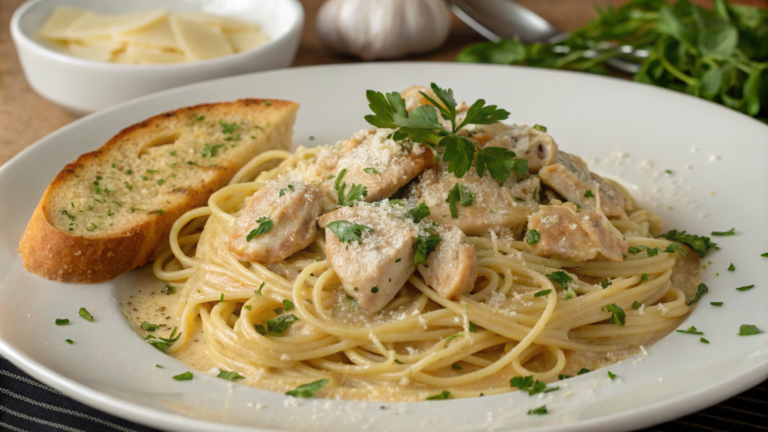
163 343
748 330
563 376
644 277
730 232
703 289
60 321
197 119
456 366
459 195
702 340
538 411
420 212
307 390
67 214
611 375
676 247
348 231
583 371
69 341
716 303
500 162
265 225
186 376
227 375
356 191
426 244
445 394
532 387
472 327
287 305
85 314
422 126
563 278
700 244
532 237
605 283
375 290
148 326
278 325
636 305
589 194
227 128
691 330
618 316
731 267
370 170
745 288
258 292
169 290
542 293
210 150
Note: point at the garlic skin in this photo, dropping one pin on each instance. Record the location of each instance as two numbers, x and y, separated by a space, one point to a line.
383 29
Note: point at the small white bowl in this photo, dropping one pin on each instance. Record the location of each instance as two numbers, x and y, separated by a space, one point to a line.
84 86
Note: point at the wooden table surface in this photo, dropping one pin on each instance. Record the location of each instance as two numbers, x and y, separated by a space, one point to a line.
26 117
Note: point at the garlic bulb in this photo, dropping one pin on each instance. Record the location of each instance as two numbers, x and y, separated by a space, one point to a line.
383 29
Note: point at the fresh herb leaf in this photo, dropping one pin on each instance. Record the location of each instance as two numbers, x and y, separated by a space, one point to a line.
730 232
731 267
676 247
700 244
163 344
370 170
748 330
583 371
348 232
589 194
356 191
702 340
703 289
562 278
60 321
148 326
258 292
308 390
611 375
210 150
230 376
532 237
169 290
542 293
186 376
605 283
69 341
265 225
280 324
419 212
440 396
618 316
644 277
472 327
540 128
456 366
459 195
690 330
288 305
562 376
745 288
500 162
85 314
636 305
227 128
425 244
716 303
538 411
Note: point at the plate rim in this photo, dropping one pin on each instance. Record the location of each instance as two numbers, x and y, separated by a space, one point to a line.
666 410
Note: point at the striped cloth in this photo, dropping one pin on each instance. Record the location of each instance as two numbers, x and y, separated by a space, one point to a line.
28 405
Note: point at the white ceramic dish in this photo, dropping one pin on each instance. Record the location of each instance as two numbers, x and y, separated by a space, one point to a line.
111 368
84 86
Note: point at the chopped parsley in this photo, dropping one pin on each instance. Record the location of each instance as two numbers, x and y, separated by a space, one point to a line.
247 307
149 327
731 267
716 303
168 289
542 293
348 232
562 278
265 225
618 316
288 305
636 305
538 411
643 278
605 283
583 371
532 237
745 288
589 194
425 244
540 128
472 327
159 367
374 290
210 150
500 162
639 248
69 341
163 344
258 292
230 376
532 387
703 289
308 390
60 321
459 195
67 214
370 170
227 128
197 119
85 314
730 232
419 212
702 340
611 375
186 376
748 330
700 244
277 325
456 366
445 394
691 330
356 191
676 247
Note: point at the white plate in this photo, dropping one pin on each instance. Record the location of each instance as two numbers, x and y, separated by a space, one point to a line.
111 368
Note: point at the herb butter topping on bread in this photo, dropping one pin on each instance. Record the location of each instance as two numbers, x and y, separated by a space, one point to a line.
110 210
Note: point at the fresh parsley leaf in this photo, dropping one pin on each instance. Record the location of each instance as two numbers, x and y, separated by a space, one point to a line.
562 278
748 330
308 390
532 237
605 283
731 267
163 344
540 128
459 152
703 289
456 366
227 128
636 305
730 232
716 303
85 314
60 321
482 114
425 244
542 293
288 305
611 375
702 340
169 290
258 292
419 212
370 170
700 244
148 326
210 150
459 195
356 191
618 316
348 232
583 371
745 288
281 323
691 330
522 382
69 341
186 376
644 277
159 367
472 327
538 411
440 396
265 225
589 194
197 119
676 247
230 376
500 163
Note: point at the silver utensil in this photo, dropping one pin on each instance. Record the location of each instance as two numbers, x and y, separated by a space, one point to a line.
505 19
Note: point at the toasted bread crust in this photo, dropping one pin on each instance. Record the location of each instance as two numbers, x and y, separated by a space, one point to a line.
56 254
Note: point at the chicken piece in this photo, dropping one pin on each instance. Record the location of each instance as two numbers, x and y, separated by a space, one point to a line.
451 269
528 143
571 178
576 235
493 206
292 207
374 268
372 160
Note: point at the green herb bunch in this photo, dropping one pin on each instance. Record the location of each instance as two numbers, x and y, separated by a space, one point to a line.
720 54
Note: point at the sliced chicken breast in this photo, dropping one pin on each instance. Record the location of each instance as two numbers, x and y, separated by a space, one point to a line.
528 143
451 269
278 221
